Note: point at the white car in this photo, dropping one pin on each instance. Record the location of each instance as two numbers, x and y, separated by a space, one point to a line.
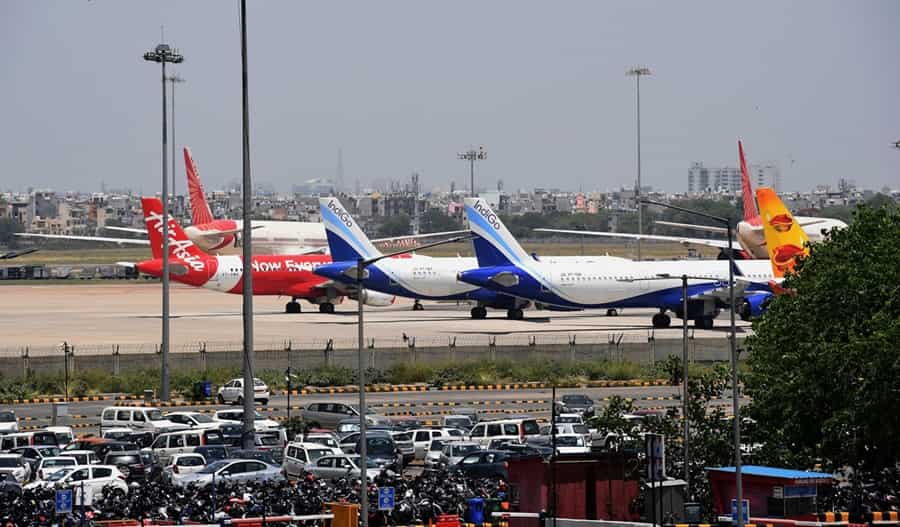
192 419
423 436
182 465
563 419
233 392
571 444
260 423
49 465
91 478
341 466
323 438
83 457
16 466
8 422
297 455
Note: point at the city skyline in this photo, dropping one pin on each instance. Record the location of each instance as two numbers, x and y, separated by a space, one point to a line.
403 86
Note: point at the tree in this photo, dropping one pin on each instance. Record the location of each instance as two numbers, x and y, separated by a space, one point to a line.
395 226
824 363
435 220
8 228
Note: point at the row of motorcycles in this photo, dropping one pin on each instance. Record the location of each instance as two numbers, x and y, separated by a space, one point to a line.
418 500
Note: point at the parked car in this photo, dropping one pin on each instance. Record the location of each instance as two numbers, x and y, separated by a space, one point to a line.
182 466
422 439
571 444
115 446
463 422
232 433
526 449
193 419
20 439
212 452
233 470
298 454
260 423
568 428
456 450
91 443
142 438
578 403
93 479
233 392
16 466
341 466
64 434
120 433
323 438
129 463
259 455
9 423
84 457
404 443
433 453
484 464
329 415
270 442
575 419
512 429
137 418
49 465
382 452
34 454
183 442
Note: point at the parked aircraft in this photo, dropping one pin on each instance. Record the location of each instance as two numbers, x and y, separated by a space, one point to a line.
282 275
608 282
785 239
413 275
749 232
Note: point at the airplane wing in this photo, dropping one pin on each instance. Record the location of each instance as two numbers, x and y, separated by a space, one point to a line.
15 254
127 229
809 222
131 241
720 244
704 228
416 236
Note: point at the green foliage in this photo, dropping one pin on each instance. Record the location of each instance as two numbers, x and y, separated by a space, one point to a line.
395 226
824 362
436 220
9 226
294 426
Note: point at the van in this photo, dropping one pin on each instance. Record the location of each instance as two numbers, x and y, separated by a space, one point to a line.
297 455
184 442
511 429
138 418
20 439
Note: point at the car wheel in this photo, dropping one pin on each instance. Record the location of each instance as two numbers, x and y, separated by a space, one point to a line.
239 401
220 399
265 402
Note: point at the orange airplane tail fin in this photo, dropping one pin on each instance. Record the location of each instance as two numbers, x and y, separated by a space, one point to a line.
785 238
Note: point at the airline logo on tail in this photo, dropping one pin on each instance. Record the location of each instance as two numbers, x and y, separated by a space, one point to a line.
180 246
200 212
346 241
785 239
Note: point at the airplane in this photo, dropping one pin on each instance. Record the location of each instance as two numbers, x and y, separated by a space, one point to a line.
785 239
412 275
281 275
749 232
220 236
9 255
611 282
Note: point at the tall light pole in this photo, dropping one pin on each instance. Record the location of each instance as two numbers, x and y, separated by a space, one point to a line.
163 54
735 398
471 155
359 273
637 73
173 80
247 435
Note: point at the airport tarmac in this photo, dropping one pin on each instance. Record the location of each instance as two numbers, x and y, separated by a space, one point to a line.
128 312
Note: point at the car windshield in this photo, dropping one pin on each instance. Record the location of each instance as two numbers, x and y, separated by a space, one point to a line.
569 441
379 445
214 466
57 462
202 418
461 450
405 436
213 453
258 382
190 461
7 417
155 415
577 399
457 422
7 462
580 429
63 437
436 445
269 440
60 474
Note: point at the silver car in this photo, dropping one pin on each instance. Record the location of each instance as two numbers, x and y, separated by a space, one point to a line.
233 470
456 450
329 415
342 466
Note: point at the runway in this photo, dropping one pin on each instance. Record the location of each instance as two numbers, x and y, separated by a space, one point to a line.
127 313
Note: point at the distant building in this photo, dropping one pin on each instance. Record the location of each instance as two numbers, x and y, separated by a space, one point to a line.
727 179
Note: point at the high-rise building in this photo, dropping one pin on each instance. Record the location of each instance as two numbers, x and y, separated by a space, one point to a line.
728 179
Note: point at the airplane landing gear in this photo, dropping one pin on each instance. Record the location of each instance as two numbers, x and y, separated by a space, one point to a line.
612 312
327 307
661 321
703 323
515 314
292 307
417 306
479 313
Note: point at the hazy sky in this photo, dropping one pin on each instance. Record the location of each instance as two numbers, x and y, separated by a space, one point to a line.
404 85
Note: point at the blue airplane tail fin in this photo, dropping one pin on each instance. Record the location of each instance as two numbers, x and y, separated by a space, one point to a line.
346 241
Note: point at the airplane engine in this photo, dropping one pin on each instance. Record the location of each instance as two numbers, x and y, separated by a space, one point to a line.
754 306
374 298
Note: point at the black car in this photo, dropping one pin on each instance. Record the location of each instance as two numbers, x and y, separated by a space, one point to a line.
577 403
212 452
142 439
259 455
129 463
231 434
485 464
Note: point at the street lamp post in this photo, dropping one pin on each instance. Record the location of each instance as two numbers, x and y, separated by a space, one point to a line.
735 398
637 73
359 273
471 155
163 54
173 80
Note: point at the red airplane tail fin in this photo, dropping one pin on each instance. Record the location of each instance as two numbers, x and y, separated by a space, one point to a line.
200 212
751 214
180 246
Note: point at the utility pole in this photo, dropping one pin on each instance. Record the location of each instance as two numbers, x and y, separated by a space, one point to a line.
471 155
637 73
163 54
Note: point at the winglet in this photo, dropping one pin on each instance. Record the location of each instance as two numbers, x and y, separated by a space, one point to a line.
200 212
751 214
785 239
495 245
346 241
